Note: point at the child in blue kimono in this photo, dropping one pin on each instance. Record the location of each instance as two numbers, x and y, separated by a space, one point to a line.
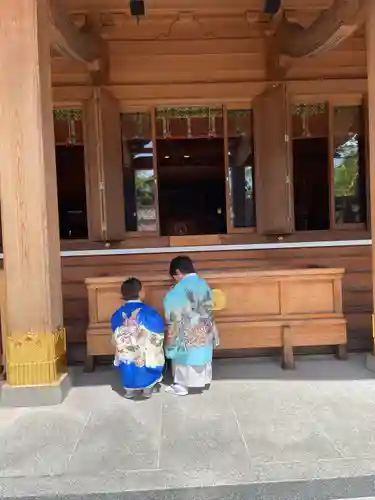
191 330
138 335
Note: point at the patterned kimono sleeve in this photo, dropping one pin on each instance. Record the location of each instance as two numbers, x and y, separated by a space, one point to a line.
116 321
151 349
171 326
215 331
154 323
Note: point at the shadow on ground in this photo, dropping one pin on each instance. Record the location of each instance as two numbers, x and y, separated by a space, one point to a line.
308 368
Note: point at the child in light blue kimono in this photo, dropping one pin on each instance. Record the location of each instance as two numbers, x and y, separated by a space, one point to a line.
192 333
138 335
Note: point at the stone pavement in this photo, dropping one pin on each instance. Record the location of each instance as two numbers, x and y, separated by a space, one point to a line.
259 432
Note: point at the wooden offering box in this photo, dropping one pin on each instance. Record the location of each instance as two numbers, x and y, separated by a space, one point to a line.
253 309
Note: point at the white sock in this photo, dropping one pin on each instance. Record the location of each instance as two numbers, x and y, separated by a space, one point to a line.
177 389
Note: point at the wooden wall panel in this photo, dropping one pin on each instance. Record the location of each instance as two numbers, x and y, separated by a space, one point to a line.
187 68
357 280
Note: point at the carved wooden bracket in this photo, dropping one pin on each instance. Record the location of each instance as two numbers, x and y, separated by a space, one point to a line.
82 44
331 27
277 65
287 40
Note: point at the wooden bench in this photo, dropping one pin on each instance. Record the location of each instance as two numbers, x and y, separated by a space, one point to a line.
253 309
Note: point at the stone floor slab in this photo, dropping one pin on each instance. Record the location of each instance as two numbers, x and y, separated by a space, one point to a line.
332 489
257 424
40 442
85 485
349 423
120 436
278 425
201 432
194 478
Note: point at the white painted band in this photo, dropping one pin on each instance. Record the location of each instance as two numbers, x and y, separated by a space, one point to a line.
213 248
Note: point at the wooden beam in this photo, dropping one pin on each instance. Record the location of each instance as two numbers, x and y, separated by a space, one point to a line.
277 65
81 44
331 27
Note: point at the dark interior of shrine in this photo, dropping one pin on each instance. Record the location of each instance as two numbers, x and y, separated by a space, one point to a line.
191 181
71 189
311 183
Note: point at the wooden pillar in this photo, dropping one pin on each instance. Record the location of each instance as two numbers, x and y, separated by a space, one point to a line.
370 29
35 350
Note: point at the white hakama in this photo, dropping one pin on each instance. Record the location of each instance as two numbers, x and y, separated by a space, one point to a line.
192 376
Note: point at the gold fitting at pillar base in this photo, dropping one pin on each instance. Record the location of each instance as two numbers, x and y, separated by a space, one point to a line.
35 358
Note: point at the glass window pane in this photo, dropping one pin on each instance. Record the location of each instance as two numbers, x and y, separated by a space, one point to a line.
139 176
241 168
348 164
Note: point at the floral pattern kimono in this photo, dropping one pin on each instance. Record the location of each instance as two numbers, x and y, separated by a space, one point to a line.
192 333
138 335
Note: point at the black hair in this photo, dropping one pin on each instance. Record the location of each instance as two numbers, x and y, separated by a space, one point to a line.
130 289
181 263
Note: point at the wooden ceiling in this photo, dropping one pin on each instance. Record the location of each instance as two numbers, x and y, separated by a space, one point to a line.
113 19
195 41
215 7
333 20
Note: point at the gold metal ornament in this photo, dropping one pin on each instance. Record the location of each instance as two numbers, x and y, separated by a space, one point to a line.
219 299
35 358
